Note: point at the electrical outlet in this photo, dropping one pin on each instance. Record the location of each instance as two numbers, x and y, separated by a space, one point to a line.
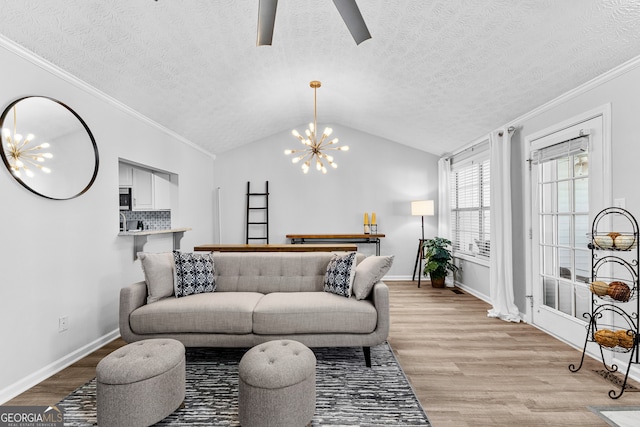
63 323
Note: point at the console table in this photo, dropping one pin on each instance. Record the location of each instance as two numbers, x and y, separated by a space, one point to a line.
350 238
275 248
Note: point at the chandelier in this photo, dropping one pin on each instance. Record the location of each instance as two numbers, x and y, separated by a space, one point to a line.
20 155
315 149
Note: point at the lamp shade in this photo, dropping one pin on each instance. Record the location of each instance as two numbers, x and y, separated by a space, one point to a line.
422 207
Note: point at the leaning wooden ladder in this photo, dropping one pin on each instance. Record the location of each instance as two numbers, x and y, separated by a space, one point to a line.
257 214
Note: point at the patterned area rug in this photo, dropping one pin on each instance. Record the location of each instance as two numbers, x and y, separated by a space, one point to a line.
347 392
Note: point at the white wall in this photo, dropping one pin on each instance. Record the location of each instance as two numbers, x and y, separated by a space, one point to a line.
620 88
375 175
64 258
623 92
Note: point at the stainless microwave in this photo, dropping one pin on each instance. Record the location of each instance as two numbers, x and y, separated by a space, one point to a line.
125 199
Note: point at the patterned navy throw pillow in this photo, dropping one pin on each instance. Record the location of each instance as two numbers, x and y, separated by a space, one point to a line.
195 273
341 271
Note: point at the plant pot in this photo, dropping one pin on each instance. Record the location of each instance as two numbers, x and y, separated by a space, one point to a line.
437 282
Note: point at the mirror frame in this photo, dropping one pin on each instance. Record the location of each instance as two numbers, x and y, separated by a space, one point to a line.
7 110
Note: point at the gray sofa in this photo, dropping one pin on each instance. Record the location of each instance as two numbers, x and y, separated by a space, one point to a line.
261 297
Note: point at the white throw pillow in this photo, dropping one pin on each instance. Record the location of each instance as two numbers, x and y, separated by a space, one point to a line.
341 271
158 274
370 271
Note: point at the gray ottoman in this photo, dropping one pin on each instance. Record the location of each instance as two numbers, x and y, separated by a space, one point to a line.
141 383
277 385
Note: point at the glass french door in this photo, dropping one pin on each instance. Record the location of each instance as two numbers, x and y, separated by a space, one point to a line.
563 193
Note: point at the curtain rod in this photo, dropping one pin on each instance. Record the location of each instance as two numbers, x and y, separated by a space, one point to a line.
510 129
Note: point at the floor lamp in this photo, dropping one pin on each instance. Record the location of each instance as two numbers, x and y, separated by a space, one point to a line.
421 208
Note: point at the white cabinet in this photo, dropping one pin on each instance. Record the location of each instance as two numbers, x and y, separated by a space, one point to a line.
142 190
125 173
151 190
161 191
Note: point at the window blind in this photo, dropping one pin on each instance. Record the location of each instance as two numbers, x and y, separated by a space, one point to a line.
567 148
470 202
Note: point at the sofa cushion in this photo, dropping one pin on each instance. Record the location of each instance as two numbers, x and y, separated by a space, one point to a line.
266 272
158 271
369 272
312 313
341 271
194 273
217 312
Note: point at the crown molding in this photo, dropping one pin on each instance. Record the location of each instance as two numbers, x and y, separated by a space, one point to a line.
53 69
615 72
607 76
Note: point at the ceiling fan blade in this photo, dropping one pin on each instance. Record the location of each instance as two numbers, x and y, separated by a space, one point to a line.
353 18
266 21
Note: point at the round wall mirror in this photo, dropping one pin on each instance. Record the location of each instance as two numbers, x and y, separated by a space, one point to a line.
48 148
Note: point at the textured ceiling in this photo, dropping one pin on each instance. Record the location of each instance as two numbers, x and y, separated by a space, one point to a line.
436 75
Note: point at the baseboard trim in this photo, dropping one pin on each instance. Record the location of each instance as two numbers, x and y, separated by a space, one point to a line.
37 377
397 278
474 292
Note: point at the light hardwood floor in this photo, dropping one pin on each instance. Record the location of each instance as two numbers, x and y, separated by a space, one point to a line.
471 370
467 369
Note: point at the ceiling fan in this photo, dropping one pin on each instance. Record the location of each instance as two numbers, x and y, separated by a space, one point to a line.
348 10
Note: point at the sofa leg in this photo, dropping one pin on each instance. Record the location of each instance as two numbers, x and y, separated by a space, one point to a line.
367 356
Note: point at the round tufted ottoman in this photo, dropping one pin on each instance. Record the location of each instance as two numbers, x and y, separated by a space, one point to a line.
277 385
141 383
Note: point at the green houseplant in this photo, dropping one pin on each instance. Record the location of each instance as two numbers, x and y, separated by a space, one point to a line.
438 260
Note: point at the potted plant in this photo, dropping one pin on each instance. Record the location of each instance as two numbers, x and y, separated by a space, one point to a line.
438 260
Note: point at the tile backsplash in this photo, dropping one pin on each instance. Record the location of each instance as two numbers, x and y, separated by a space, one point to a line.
152 220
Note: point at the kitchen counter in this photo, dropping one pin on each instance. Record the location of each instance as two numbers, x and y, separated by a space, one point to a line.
151 232
140 237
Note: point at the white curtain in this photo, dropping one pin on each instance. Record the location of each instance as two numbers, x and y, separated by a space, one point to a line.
444 212
501 266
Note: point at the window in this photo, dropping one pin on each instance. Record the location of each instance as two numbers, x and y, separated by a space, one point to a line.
470 201
563 215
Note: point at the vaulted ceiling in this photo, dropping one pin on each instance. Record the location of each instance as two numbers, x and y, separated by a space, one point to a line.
435 75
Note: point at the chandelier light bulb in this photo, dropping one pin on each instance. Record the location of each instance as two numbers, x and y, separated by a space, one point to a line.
45 170
315 148
44 145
